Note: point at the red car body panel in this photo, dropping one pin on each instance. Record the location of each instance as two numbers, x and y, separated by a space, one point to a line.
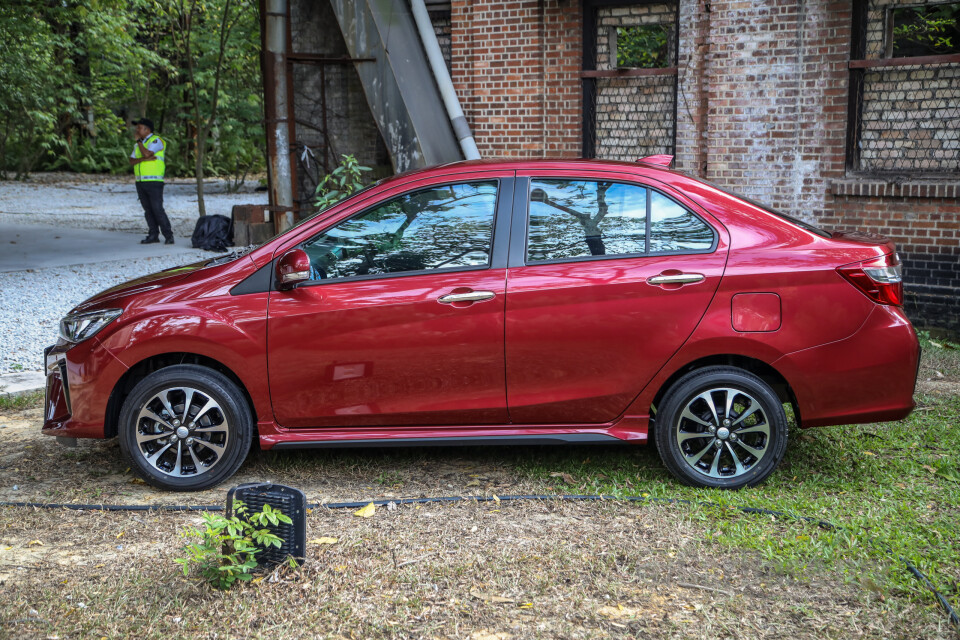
565 349
584 338
341 353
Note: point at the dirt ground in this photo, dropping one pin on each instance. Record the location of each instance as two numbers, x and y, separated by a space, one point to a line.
478 571
34 468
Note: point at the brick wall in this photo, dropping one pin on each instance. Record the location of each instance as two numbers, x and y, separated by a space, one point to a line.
440 19
634 116
515 66
775 98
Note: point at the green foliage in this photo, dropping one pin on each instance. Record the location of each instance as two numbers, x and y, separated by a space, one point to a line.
29 400
644 46
343 181
926 30
75 72
227 548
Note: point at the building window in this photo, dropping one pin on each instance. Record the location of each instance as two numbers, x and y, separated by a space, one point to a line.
905 89
630 79
928 30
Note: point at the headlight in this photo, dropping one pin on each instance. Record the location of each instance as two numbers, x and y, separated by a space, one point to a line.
77 327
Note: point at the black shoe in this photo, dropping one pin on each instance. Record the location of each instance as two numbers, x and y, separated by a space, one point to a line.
149 240
168 241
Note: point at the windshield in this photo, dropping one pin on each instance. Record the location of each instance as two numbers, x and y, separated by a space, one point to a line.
806 226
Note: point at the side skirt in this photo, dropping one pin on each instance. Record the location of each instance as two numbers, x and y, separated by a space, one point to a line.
626 430
560 438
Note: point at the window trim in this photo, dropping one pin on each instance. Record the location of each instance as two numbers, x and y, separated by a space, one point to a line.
649 221
494 260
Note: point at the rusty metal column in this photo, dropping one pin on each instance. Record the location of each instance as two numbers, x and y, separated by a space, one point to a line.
276 97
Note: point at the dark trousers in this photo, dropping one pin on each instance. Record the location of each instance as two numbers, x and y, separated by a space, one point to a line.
151 197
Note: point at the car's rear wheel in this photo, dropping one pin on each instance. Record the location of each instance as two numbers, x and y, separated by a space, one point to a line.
185 428
721 427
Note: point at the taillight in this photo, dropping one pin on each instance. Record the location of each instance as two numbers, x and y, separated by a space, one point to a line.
881 279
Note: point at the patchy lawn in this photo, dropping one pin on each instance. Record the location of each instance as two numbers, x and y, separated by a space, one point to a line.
480 571
515 569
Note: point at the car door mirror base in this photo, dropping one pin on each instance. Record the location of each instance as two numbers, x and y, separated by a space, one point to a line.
292 268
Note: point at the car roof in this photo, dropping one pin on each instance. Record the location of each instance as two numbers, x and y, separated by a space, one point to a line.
499 164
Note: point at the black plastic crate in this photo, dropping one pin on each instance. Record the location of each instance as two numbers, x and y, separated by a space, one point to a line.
289 501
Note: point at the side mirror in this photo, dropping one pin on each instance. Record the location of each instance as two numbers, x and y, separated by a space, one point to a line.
292 268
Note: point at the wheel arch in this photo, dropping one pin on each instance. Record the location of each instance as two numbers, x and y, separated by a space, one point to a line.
771 376
145 367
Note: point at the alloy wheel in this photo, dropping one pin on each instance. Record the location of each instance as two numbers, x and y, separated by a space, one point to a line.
723 433
182 432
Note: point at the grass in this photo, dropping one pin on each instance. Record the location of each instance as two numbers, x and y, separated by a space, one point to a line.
19 402
892 486
467 570
941 357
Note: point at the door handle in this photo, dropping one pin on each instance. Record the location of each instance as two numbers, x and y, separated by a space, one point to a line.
679 278
469 296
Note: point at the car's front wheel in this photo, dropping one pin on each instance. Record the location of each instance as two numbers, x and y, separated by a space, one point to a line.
721 427
185 428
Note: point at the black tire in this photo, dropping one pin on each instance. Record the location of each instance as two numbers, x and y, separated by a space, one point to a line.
202 450
742 449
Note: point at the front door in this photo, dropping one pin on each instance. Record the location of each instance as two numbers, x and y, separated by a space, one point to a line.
607 280
402 322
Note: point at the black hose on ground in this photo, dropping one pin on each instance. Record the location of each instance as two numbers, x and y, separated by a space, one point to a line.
919 575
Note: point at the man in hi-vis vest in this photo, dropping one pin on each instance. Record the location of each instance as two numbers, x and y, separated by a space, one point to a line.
148 167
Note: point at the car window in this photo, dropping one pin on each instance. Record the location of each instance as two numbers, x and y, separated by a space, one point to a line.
570 219
583 218
673 228
441 227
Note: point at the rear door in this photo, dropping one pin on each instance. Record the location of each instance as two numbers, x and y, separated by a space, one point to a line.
608 276
402 323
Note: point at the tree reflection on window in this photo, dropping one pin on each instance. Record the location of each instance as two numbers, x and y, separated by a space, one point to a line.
571 219
673 228
437 228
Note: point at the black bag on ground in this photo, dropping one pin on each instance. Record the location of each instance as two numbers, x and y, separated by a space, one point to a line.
213 233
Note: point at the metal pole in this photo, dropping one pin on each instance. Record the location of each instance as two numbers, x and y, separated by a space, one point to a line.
276 98
460 127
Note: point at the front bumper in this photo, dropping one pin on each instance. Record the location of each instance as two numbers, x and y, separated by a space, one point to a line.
80 379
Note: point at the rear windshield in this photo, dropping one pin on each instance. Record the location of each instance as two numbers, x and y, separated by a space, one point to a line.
797 221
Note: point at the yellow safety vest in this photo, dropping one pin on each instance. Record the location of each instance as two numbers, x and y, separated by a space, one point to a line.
150 170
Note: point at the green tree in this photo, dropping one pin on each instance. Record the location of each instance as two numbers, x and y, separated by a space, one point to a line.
73 72
212 37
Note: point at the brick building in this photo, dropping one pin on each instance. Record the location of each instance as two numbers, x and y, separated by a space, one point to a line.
811 106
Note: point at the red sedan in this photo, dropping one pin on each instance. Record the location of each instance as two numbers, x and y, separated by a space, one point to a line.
498 303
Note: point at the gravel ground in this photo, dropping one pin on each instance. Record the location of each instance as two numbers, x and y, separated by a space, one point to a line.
33 301
110 203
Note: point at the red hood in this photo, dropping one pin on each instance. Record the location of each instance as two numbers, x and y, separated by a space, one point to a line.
138 285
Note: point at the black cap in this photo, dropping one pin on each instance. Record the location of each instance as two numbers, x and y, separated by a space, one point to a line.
147 122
